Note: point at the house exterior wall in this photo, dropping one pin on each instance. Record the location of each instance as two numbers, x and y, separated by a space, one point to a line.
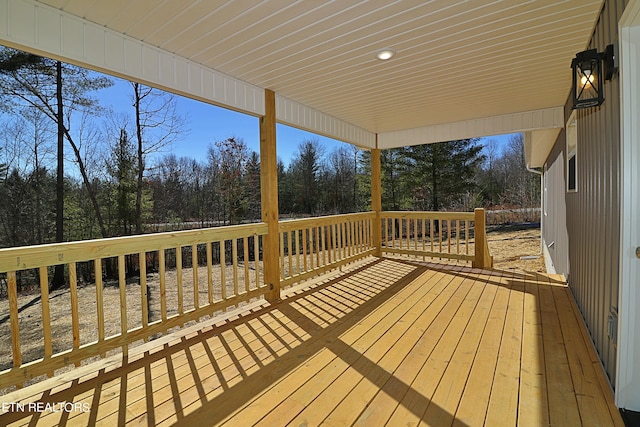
554 230
589 252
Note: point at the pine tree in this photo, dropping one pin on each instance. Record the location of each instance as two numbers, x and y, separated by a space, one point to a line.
304 170
393 176
252 182
122 169
440 173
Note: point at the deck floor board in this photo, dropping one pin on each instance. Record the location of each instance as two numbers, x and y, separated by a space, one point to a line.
390 343
474 401
533 409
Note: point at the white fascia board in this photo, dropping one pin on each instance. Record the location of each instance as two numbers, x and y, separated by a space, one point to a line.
538 146
43 30
488 126
300 116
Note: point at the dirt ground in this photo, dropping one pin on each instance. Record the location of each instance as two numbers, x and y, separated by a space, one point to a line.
513 247
516 247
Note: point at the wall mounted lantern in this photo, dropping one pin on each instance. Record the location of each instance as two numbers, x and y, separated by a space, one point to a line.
590 69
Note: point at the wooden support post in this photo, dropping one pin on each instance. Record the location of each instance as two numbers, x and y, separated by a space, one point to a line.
269 197
482 256
376 199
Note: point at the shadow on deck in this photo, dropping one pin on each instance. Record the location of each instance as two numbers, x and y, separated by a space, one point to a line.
391 342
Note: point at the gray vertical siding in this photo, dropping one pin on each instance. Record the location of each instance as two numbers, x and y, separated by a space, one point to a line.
592 213
555 236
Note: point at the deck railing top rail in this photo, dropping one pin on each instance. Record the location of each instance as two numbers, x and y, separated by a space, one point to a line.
428 214
294 224
25 257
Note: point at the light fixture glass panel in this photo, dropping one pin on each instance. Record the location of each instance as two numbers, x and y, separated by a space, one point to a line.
587 79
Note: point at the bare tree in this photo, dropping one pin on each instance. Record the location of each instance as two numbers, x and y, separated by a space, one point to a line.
489 177
36 140
522 188
3 170
57 90
168 182
232 154
343 164
26 141
355 151
157 125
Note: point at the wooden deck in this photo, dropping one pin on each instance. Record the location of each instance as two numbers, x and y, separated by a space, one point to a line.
390 343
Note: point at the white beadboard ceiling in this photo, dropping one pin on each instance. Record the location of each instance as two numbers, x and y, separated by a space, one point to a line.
456 61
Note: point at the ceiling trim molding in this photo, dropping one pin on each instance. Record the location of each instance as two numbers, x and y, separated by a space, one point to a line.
300 116
43 30
525 121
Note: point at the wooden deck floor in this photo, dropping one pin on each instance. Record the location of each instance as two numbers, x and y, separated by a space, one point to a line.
391 343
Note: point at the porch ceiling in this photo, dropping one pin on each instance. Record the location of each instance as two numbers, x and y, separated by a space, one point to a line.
456 61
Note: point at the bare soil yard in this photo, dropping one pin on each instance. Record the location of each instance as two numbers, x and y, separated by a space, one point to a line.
510 243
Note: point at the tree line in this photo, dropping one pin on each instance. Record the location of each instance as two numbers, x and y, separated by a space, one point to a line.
120 185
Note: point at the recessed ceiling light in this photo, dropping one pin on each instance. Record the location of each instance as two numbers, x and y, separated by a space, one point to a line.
385 54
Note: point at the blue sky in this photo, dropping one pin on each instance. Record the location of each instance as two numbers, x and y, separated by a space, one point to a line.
208 124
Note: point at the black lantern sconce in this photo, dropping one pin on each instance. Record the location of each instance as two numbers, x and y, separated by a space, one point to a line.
590 69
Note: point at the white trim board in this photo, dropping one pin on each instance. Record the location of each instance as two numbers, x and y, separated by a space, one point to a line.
548 118
298 115
40 29
627 390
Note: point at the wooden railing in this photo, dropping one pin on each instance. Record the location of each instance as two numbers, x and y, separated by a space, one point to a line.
120 291
312 246
443 235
